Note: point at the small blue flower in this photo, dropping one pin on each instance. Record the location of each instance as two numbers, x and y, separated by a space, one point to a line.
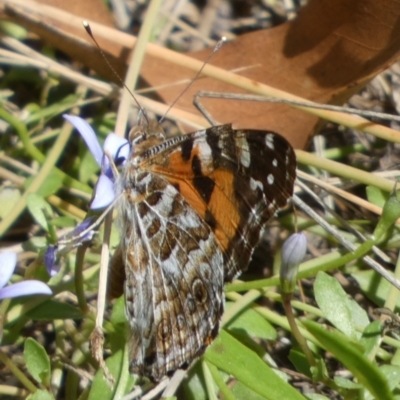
293 251
68 242
118 150
8 261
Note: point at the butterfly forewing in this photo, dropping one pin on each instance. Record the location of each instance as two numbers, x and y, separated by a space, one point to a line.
192 211
236 180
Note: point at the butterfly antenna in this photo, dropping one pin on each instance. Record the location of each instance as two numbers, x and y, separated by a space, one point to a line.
216 49
89 32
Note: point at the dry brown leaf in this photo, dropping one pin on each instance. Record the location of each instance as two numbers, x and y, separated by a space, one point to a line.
325 55
93 9
331 50
63 30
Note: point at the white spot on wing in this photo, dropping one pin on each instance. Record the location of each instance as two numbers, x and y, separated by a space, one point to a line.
270 179
242 146
204 148
269 141
256 184
205 153
275 162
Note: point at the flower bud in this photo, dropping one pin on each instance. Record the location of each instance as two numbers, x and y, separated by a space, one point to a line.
293 251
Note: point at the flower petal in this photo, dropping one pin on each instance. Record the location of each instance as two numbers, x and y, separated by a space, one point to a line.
8 261
117 147
24 288
104 193
88 136
82 227
49 260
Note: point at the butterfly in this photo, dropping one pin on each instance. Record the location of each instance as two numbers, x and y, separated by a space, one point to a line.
191 210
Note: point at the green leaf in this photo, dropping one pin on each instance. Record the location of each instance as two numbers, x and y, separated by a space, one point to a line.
8 198
390 213
63 222
252 323
50 186
364 370
374 286
231 356
39 209
37 361
53 309
334 303
35 243
118 312
346 383
124 382
300 362
119 331
87 165
359 315
376 196
194 385
14 30
371 338
241 391
40 395
392 374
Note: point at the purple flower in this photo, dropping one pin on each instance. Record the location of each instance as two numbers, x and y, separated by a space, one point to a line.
293 251
8 261
81 234
118 150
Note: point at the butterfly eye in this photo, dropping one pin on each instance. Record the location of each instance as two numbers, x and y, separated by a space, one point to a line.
137 135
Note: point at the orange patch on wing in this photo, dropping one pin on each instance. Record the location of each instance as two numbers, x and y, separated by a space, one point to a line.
223 207
222 204
190 194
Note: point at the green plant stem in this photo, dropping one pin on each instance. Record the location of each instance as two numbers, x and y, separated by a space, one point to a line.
295 330
3 309
273 317
227 394
79 289
345 171
209 381
12 391
391 300
336 262
17 372
40 178
37 154
308 269
23 135
123 377
136 64
240 305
